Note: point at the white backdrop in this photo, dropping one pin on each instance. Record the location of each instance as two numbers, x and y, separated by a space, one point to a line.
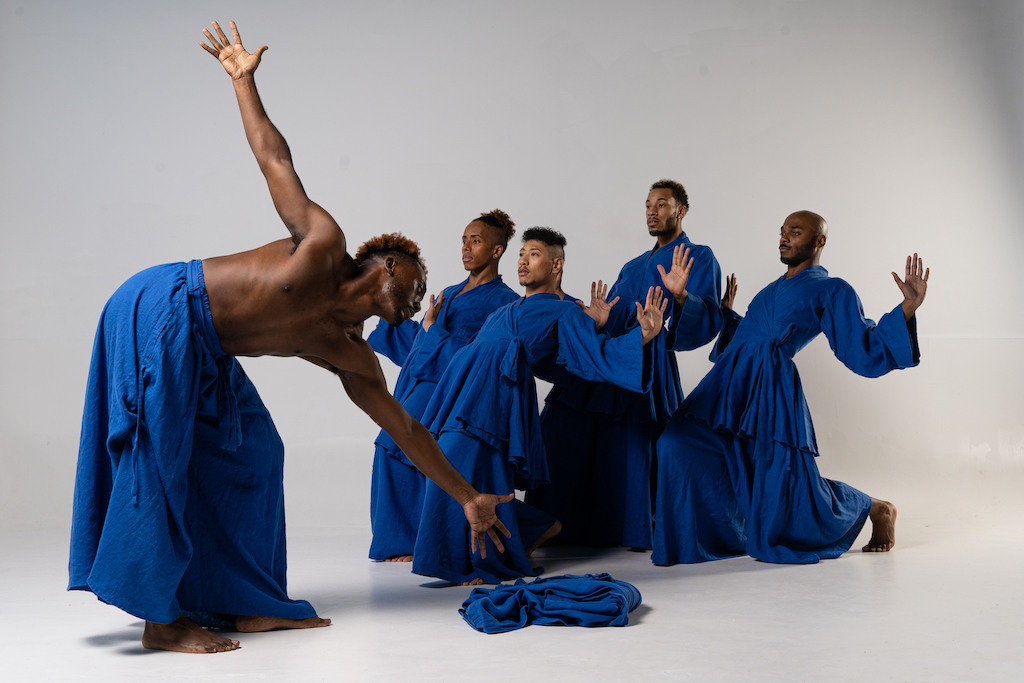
901 122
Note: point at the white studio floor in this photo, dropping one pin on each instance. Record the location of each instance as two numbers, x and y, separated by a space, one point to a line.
945 605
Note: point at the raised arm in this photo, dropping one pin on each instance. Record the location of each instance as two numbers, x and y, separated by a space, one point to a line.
301 216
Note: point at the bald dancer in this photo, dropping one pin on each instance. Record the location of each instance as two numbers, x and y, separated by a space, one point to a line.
179 508
736 465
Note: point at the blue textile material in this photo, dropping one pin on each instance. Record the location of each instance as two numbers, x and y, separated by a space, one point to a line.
179 501
484 415
567 600
601 438
396 491
737 472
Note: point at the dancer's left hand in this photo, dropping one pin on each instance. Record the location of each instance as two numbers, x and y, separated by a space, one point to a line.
236 61
914 287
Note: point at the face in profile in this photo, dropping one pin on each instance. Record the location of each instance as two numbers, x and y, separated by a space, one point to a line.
478 248
536 265
403 291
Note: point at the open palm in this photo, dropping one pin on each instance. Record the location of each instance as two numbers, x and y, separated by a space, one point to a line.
236 61
676 278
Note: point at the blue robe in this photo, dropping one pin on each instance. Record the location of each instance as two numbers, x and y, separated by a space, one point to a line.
737 473
396 492
179 497
568 600
484 414
600 438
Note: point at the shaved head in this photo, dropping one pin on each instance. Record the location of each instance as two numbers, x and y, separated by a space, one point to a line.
810 220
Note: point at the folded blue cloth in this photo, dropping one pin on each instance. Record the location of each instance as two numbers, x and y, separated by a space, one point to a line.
568 600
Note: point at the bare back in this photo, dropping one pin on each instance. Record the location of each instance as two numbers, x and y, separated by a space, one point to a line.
284 299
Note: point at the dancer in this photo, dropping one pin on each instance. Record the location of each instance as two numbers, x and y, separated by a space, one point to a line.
485 415
736 468
179 509
423 351
601 437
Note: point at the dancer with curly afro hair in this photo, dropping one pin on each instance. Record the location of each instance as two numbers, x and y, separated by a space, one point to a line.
179 503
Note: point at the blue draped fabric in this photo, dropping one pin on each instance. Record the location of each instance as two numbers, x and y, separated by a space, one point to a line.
567 600
484 414
736 465
179 499
396 492
601 437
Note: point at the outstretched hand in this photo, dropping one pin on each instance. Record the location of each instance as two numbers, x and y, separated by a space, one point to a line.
236 61
914 287
652 316
483 519
675 279
430 316
729 298
599 309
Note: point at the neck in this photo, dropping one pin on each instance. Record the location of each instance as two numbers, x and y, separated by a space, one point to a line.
542 288
798 268
483 275
360 296
668 238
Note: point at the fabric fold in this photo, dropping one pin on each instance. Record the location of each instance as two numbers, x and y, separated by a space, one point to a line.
589 600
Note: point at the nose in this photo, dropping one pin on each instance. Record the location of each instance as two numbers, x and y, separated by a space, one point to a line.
465 246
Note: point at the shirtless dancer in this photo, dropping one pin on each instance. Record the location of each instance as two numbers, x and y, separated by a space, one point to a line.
179 493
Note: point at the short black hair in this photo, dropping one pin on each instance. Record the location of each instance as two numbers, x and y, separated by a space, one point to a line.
678 191
548 236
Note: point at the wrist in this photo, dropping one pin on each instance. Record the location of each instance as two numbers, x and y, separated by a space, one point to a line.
465 496
681 297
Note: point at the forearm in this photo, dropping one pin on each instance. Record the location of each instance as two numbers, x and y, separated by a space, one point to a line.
423 452
266 142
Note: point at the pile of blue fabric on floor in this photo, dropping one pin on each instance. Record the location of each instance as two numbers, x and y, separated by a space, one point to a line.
567 600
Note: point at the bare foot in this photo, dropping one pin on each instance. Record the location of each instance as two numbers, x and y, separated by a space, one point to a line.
399 558
550 533
184 635
475 582
883 527
257 624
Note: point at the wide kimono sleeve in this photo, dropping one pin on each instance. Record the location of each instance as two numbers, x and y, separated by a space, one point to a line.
699 319
462 319
868 349
394 342
730 322
622 360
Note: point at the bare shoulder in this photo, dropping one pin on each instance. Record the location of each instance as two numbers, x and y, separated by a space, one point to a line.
351 354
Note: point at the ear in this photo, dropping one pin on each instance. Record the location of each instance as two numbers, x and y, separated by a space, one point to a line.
820 240
557 264
389 265
498 251
682 211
